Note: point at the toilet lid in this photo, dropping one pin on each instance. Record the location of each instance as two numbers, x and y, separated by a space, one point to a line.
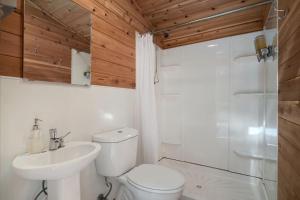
155 177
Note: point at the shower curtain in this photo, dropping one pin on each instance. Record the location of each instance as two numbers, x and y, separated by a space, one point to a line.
146 113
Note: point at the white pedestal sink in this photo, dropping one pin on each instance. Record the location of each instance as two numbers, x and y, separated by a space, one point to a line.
61 168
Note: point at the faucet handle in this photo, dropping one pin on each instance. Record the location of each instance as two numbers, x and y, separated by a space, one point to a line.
68 133
53 133
62 141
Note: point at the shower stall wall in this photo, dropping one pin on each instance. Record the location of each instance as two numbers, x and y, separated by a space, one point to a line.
217 105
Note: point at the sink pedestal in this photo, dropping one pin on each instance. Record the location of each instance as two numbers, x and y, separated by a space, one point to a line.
64 189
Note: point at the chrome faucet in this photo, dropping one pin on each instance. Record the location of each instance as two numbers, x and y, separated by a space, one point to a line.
56 142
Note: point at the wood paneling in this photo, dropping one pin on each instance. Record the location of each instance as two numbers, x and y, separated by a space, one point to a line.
47 46
113 44
67 14
167 15
41 71
233 24
214 34
11 45
12 24
10 66
289 104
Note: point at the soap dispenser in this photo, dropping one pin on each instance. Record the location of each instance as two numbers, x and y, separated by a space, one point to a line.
36 143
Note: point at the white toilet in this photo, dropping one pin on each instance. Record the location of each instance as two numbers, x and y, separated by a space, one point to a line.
145 182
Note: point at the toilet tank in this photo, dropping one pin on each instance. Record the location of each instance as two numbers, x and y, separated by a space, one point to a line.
118 153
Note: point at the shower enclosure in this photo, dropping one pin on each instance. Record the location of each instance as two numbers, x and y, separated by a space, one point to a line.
218 106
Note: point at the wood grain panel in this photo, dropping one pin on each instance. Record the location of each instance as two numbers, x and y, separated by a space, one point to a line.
290 68
10 44
12 24
200 10
289 110
288 178
41 71
111 56
113 46
114 32
107 42
113 26
10 66
47 47
109 68
223 24
105 11
235 19
290 90
290 131
169 17
289 104
127 10
289 44
214 34
110 80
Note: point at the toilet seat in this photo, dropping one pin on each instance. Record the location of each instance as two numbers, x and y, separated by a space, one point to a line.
155 179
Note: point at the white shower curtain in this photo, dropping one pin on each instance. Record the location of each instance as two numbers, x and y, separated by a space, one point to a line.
146 117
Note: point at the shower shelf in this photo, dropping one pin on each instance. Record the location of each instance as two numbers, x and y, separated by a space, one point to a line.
170 94
245 59
255 93
246 154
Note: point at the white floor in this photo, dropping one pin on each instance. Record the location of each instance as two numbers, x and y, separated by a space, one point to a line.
204 183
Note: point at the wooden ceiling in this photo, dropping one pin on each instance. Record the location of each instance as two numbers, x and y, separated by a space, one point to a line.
167 16
69 14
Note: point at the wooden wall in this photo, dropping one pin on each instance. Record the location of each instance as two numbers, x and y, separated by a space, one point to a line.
47 47
113 42
166 16
11 44
289 102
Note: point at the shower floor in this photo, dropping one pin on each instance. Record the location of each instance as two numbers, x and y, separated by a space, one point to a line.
205 183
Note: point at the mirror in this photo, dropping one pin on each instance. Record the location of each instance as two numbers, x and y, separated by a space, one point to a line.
57 37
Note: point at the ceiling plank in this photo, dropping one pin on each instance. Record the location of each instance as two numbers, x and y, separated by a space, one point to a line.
254 14
216 34
170 21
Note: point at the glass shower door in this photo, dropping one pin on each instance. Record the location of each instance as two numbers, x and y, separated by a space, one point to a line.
271 112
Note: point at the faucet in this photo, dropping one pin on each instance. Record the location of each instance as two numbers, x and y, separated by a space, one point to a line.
56 142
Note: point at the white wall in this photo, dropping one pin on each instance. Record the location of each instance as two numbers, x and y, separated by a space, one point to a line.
81 110
208 121
194 84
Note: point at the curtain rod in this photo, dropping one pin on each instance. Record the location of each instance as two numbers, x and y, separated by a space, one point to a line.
210 17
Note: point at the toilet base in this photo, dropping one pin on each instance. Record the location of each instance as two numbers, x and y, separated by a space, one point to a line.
130 192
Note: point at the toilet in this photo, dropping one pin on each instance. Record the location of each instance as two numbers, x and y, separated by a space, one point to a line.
117 159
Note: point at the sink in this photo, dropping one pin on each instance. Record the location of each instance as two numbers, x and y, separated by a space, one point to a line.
61 168
58 164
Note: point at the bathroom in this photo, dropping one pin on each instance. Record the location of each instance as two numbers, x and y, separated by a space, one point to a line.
149 100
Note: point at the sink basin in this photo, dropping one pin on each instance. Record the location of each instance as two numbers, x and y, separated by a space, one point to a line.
53 165
61 168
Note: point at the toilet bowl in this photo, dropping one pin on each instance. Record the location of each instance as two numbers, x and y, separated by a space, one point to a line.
151 182
145 182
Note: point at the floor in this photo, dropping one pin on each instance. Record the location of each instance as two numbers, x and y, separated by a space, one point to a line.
205 183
